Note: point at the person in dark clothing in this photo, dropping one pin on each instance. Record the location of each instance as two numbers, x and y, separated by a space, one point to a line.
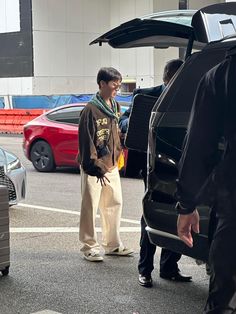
168 261
202 176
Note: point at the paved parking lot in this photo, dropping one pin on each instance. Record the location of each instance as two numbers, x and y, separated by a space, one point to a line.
47 273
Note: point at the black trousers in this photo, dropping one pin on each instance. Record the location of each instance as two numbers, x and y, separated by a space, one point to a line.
222 260
168 260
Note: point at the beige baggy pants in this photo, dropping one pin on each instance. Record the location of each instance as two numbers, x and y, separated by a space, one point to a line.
109 200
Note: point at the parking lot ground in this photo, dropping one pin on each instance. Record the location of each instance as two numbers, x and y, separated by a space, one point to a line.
47 273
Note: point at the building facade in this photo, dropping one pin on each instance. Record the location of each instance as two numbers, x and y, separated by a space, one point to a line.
45 44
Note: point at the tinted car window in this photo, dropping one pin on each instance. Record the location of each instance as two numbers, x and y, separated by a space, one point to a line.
69 115
183 19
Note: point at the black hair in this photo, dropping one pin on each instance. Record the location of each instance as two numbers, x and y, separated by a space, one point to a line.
171 68
108 74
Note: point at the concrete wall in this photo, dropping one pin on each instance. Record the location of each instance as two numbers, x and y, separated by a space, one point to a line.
65 63
63 60
137 63
197 4
162 56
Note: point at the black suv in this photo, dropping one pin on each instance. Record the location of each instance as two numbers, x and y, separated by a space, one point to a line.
211 31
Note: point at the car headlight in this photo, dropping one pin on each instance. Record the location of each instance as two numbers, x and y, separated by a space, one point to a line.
14 165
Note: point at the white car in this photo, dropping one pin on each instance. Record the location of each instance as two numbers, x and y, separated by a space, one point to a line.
13 176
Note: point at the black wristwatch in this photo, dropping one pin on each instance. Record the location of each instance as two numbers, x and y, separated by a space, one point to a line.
182 210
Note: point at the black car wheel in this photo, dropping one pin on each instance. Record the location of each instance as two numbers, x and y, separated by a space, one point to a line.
42 157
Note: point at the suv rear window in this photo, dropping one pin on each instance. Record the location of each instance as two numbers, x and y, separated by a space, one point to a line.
175 18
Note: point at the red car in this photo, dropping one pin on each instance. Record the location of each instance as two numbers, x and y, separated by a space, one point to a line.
51 140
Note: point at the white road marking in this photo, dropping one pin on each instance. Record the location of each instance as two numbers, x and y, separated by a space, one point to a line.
46 312
65 230
52 209
70 212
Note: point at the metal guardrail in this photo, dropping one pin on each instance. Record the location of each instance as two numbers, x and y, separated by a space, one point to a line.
13 120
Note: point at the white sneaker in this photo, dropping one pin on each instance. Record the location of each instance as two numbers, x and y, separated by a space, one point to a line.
121 252
93 257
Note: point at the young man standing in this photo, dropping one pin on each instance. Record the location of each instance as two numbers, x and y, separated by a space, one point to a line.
99 150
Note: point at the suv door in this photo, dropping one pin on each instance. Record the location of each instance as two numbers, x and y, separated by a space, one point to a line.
168 127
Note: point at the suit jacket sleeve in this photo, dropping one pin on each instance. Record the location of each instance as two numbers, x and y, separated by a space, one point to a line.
201 144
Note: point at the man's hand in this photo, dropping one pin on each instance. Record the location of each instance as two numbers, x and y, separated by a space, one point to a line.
103 180
186 224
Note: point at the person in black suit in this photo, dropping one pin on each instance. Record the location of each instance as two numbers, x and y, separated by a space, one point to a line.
168 261
205 176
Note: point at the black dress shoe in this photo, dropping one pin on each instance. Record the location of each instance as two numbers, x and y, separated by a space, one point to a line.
176 277
145 281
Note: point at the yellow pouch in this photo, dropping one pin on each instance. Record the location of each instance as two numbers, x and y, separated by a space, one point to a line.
121 160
